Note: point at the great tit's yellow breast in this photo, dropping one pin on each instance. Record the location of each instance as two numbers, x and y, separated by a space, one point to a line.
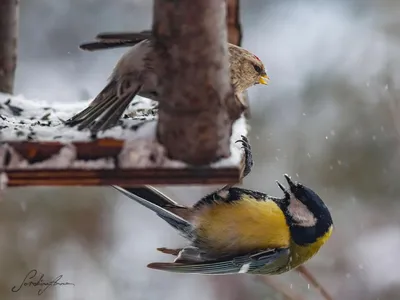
299 254
242 225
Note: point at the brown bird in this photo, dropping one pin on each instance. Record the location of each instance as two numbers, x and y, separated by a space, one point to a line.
134 75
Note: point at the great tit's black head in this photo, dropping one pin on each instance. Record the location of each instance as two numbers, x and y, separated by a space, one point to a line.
303 206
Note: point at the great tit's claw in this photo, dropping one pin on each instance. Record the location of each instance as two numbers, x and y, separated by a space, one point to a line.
248 157
174 252
245 142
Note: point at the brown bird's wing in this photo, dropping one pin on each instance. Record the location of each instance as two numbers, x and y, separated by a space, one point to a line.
264 261
102 45
107 108
125 36
110 40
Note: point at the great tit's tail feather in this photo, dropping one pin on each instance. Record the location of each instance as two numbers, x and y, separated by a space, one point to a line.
180 224
153 195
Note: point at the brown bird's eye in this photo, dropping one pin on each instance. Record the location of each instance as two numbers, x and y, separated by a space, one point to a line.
257 68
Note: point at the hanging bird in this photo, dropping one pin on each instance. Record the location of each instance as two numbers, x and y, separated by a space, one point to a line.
236 230
134 75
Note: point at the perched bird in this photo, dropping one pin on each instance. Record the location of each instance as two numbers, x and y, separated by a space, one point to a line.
134 75
236 230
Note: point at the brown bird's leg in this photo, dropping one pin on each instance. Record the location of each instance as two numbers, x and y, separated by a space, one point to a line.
311 279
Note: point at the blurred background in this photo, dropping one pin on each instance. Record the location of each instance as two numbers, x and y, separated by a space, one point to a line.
329 118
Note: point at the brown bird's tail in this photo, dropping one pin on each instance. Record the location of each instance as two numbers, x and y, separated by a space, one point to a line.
106 109
110 40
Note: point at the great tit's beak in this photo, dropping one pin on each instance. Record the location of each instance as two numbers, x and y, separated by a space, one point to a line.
291 184
285 192
264 79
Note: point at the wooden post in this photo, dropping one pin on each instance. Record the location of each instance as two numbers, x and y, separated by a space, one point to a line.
8 43
196 108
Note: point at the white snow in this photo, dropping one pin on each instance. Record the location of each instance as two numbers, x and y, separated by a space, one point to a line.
376 253
24 119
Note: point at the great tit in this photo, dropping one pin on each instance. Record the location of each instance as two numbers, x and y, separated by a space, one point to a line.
236 230
134 75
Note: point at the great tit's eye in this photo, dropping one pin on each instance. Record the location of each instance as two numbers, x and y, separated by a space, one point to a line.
257 68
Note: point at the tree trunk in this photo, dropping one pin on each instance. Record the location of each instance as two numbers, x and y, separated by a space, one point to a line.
197 107
8 43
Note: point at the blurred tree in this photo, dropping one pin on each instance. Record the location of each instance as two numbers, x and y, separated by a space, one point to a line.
8 46
233 22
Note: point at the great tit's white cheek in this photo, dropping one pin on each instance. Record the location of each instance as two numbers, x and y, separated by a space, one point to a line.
300 213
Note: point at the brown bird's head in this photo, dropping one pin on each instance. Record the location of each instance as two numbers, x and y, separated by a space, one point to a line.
246 69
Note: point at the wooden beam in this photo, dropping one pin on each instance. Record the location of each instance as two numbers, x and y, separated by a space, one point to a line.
197 107
36 152
121 177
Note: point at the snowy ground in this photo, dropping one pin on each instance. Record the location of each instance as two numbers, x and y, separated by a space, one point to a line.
32 120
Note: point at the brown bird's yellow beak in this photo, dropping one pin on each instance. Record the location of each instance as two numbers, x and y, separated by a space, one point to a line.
263 79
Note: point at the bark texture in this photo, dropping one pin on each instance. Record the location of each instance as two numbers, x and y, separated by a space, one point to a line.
196 109
8 43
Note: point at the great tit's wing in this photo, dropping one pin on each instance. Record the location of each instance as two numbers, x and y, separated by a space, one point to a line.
267 261
230 195
180 224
